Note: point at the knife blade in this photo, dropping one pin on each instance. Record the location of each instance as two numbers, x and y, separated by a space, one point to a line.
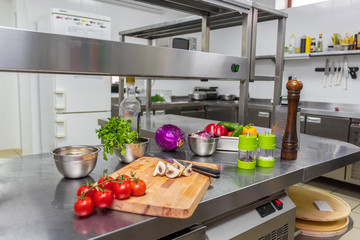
332 71
337 74
345 73
209 172
326 75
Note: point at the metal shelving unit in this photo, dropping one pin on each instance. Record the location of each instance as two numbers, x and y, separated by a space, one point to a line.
30 51
212 15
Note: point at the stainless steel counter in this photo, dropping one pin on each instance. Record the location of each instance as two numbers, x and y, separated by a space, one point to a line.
35 195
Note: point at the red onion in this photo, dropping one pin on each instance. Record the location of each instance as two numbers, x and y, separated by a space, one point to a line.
203 134
169 137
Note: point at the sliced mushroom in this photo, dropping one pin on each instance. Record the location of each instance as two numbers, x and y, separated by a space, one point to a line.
172 172
160 169
187 171
178 165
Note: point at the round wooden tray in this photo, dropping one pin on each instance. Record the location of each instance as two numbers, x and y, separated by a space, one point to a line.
322 229
304 197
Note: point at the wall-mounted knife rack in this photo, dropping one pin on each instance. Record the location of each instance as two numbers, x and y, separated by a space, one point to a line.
352 71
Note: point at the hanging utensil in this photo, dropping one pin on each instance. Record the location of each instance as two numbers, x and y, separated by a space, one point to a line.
337 74
326 75
340 74
345 73
332 72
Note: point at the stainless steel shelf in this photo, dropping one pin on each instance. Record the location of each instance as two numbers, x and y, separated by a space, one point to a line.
300 56
335 53
223 14
28 51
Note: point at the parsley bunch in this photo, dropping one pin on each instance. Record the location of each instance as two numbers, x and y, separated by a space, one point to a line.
115 134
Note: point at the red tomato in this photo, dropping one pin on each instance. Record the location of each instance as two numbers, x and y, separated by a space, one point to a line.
217 129
122 191
103 198
85 188
138 187
128 179
84 207
107 185
123 178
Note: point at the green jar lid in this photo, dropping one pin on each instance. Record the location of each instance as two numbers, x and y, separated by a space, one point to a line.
267 141
246 165
247 142
265 163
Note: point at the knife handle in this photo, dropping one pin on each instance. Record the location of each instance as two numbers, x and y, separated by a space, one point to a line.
325 81
206 171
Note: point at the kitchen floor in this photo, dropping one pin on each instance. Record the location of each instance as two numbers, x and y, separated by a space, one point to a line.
350 193
9 153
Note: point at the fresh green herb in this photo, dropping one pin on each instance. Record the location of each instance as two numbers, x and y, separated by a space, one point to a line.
115 134
157 98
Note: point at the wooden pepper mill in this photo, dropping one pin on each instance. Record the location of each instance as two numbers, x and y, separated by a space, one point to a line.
290 140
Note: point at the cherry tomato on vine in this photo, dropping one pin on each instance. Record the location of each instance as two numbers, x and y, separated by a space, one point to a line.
85 188
103 198
84 207
122 190
138 187
107 185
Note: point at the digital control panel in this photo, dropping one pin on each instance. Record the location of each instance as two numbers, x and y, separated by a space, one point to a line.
268 208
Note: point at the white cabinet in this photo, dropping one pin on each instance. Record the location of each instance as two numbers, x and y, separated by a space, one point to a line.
70 107
78 93
77 128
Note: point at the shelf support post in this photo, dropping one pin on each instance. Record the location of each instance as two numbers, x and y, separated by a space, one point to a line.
121 79
205 34
279 64
148 89
245 52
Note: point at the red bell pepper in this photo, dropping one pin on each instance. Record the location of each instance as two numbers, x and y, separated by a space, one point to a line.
216 129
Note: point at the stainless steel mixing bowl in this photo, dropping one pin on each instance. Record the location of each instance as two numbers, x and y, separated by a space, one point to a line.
75 161
203 146
133 150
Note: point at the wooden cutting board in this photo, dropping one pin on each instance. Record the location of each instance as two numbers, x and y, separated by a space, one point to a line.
165 197
322 229
304 197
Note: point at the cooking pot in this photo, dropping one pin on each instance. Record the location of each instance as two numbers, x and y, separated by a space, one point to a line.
198 96
227 97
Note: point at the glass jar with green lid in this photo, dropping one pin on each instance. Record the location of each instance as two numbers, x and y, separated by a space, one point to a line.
247 151
266 150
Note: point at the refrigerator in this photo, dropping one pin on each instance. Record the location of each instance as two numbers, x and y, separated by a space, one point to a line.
70 105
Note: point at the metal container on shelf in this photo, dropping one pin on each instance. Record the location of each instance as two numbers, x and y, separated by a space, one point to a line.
227 97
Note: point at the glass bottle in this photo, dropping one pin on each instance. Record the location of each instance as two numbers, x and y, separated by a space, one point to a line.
292 44
266 150
313 45
247 151
320 44
130 107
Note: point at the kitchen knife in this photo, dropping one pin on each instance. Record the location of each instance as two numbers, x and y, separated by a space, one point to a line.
345 73
326 75
332 71
209 172
337 74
